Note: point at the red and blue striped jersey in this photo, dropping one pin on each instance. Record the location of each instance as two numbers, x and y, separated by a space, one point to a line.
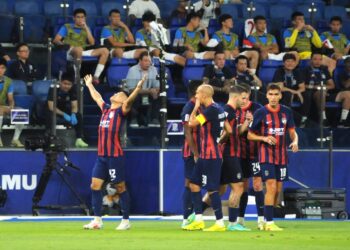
185 117
111 124
212 120
249 149
232 147
268 122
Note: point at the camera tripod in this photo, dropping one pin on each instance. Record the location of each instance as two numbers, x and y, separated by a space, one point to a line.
52 164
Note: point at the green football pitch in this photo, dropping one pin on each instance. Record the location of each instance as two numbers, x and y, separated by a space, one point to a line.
297 235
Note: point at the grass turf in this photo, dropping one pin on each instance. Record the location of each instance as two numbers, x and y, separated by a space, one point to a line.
167 235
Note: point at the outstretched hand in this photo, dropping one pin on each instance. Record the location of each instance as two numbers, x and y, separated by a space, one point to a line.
88 80
142 81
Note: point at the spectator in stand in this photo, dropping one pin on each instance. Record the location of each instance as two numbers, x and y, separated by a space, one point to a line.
78 36
290 79
145 37
301 37
181 10
220 77
7 103
207 9
344 94
119 37
67 108
316 75
230 43
191 38
339 41
22 68
3 54
266 43
139 7
145 111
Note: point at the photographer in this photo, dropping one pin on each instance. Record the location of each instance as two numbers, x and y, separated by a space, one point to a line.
67 108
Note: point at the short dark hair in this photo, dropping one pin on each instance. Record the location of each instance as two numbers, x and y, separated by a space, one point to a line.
289 56
148 16
193 86
67 76
20 45
296 14
3 62
224 17
79 11
273 86
241 57
192 15
336 18
257 18
113 11
246 87
217 52
316 52
143 54
237 89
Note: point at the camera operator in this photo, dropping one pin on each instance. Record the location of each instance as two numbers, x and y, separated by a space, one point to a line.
67 108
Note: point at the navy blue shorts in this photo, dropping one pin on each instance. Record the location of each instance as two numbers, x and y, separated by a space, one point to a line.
207 174
189 167
110 169
231 171
250 168
272 171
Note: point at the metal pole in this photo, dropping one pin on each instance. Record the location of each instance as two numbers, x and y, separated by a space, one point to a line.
331 166
322 88
55 85
163 104
49 58
64 6
251 9
21 28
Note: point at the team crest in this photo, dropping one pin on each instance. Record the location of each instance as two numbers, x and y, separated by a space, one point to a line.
284 120
111 115
266 172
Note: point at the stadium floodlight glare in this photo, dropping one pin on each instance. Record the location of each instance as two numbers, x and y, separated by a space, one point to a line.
312 8
64 5
124 6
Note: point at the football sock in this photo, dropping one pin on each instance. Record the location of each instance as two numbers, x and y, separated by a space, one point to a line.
243 204
125 204
216 204
18 131
187 202
259 202
205 205
197 202
97 202
268 213
324 115
99 70
233 214
344 114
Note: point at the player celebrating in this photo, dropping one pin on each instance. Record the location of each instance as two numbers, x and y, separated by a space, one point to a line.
190 151
269 128
231 167
208 168
110 162
249 159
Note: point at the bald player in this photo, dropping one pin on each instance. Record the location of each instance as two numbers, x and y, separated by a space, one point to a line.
211 118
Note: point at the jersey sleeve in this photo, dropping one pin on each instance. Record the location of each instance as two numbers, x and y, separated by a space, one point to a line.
251 39
177 38
323 37
274 41
10 89
186 113
216 37
106 33
255 126
206 115
63 31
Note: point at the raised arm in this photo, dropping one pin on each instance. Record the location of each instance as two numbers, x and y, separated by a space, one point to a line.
128 103
93 92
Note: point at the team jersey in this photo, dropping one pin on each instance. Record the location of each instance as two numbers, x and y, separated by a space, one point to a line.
232 147
249 149
111 124
212 120
274 123
185 117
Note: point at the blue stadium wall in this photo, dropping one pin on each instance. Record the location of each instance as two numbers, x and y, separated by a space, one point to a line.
154 187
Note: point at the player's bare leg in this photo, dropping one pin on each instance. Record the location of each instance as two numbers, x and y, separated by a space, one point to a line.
124 205
96 185
233 207
206 198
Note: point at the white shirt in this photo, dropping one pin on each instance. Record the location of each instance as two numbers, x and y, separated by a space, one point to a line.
139 7
209 12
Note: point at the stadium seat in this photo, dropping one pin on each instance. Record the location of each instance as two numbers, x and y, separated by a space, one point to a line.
53 8
40 92
7 25
178 22
19 87
259 10
192 73
116 75
335 11
34 28
266 74
271 64
24 101
108 5
88 6
27 7
122 62
4 7
101 21
231 9
97 35
280 11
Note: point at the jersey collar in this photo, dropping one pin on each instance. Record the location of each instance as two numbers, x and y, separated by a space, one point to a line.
273 110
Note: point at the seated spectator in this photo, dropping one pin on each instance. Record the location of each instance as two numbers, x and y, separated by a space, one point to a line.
145 37
316 75
78 36
220 77
207 9
139 7
290 79
301 37
265 42
181 11
119 37
7 103
230 42
344 94
3 54
339 41
22 68
67 112
145 110
191 38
